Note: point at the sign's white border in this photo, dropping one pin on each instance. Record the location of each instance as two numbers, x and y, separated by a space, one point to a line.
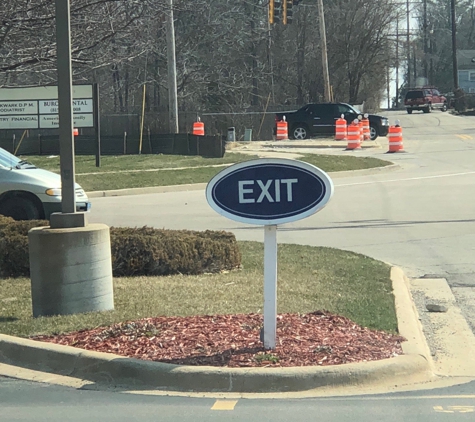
324 177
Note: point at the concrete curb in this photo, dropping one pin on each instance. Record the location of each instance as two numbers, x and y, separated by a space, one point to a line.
202 186
409 325
116 371
310 144
148 190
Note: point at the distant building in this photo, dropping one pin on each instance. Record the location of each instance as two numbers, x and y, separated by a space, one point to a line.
466 70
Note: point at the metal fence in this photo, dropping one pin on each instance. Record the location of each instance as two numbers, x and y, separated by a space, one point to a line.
119 129
179 144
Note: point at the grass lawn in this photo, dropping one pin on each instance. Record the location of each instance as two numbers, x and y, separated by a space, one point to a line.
87 163
112 175
309 279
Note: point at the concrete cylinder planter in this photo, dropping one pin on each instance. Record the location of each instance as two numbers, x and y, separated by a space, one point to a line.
70 270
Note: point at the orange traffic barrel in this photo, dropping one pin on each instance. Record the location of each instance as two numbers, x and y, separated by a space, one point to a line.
199 128
360 125
340 129
76 131
353 136
395 138
366 129
282 130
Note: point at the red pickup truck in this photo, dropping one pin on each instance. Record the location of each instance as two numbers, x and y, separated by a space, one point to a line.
425 99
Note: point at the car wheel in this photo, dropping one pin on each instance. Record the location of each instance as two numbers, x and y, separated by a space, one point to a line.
444 107
427 109
373 132
20 208
300 131
409 111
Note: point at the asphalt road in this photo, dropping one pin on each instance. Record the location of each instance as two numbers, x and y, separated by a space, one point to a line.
420 217
26 401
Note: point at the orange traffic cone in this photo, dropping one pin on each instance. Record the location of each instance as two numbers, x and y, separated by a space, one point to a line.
353 135
199 128
395 138
340 129
360 124
366 130
282 130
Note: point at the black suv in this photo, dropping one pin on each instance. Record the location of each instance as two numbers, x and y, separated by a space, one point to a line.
319 120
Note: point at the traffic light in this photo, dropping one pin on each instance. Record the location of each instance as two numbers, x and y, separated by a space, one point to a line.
281 10
287 12
277 10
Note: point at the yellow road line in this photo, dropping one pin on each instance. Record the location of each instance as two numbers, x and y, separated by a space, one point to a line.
465 137
455 409
224 405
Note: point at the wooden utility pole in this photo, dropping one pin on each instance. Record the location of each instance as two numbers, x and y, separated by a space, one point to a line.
172 88
323 39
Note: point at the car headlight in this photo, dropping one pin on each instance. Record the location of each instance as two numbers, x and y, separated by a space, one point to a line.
385 122
53 192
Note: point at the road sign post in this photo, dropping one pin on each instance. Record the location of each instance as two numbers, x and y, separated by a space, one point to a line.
269 192
270 286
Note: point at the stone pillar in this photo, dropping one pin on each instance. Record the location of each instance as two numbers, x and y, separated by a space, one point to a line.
70 270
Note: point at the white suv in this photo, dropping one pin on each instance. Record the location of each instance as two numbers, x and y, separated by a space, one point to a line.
30 193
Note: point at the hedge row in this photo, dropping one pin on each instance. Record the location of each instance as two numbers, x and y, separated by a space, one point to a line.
135 251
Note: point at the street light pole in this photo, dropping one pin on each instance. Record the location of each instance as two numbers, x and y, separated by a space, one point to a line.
454 45
65 111
425 39
397 62
408 40
323 39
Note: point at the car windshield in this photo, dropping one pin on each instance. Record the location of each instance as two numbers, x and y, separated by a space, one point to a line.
414 94
352 109
8 160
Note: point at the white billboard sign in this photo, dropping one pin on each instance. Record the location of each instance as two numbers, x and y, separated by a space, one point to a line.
37 107
19 122
79 106
9 108
51 121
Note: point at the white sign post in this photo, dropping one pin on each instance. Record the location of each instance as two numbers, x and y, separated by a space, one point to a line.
269 192
37 107
270 286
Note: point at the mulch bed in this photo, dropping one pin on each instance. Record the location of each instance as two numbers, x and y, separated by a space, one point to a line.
318 338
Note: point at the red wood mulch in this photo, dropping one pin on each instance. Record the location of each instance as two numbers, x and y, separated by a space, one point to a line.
318 338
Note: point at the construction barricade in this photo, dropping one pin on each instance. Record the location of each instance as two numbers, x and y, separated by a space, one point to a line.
353 135
199 128
395 138
340 129
282 130
360 124
366 128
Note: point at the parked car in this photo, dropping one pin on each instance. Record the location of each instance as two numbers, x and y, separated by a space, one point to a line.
425 99
30 193
319 120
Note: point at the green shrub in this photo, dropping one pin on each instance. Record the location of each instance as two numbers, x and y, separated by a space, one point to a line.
135 251
148 251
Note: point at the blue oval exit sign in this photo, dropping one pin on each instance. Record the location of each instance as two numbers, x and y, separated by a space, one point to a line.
269 191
